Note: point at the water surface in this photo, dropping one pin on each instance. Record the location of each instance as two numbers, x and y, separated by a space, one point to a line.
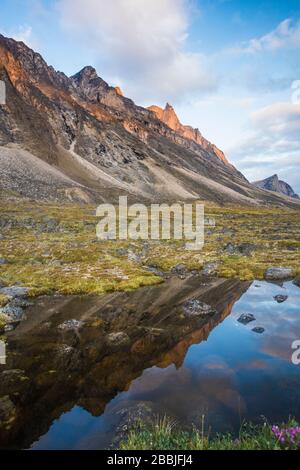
77 390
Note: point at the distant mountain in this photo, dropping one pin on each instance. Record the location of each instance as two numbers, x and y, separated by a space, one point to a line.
77 138
273 183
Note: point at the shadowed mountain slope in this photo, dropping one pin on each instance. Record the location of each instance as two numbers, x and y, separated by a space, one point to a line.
77 138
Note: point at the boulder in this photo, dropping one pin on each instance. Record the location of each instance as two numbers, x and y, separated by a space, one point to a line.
12 312
244 249
118 339
278 274
280 298
197 308
246 318
70 325
180 270
259 330
134 257
14 291
210 268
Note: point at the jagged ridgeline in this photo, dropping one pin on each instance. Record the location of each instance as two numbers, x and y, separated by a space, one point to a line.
79 139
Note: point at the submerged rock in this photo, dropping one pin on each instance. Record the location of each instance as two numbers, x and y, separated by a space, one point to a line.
246 318
13 381
259 330
278 274
196 307
118 339
70 325
280 298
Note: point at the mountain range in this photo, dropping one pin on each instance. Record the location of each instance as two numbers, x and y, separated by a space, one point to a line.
78 139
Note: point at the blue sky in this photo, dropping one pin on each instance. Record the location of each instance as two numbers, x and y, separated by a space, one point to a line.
227 66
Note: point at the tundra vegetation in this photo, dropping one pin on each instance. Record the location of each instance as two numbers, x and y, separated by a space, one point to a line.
53 248
165 435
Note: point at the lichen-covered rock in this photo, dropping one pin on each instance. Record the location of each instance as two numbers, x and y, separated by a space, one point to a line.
278 274
14 291
197 308
70 325
118 339
210 268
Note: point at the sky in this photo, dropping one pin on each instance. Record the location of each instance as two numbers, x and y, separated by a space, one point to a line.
229 67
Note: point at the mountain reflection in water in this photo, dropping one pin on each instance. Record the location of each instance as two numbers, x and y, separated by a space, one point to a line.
77 387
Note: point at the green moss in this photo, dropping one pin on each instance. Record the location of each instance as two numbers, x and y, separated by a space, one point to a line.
4 299
3 322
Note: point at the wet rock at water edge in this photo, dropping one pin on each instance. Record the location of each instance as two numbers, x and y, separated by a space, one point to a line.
13 313
197 308
296 281
280 298
180 270
278 274
70 325
118 339
132 416
154 269
209 269
14 291
246 318
258 329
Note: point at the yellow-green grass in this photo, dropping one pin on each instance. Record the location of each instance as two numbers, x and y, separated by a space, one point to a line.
73 261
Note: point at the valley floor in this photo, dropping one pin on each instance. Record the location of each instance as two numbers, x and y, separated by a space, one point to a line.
53 249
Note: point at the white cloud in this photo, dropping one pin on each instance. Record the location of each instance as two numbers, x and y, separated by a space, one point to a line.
142 41
285 35
22 33
274 144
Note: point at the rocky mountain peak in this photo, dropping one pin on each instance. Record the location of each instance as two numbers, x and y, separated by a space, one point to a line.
119 91
90 142
87 73
169 117
273 183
